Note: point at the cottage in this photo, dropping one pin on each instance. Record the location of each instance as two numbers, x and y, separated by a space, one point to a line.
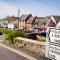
22 21
29 23
12 22
40 24
3 23
12 25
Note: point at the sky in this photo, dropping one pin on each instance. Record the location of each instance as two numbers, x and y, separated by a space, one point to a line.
35 7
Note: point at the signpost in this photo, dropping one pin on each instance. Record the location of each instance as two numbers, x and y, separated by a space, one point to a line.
53 44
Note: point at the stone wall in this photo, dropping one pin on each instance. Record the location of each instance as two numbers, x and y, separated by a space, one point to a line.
32 45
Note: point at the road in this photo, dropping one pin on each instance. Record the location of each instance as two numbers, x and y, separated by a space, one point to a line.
1 38
6 54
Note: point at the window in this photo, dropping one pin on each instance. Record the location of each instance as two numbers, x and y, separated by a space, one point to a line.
23 21
20 25
4 23
20 21
23 26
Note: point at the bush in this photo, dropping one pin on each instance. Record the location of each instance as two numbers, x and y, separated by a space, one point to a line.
14 34
20 33
5 31
0 33
43 34
32 36
42 39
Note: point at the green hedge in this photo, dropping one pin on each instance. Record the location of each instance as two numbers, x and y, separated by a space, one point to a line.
5 31
16 33
42 39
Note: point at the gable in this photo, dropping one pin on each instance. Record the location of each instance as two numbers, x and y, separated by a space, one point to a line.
51 23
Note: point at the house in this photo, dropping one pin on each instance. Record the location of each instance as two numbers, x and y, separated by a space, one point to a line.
22 21
29 23
12 25
52 21
40 24
12 22
3 23
58 25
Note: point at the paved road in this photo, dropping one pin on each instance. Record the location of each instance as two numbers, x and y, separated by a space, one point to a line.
6 54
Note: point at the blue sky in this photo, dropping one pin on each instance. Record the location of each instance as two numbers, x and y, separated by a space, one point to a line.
35 7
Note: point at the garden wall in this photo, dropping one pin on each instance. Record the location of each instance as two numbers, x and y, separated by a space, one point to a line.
32 45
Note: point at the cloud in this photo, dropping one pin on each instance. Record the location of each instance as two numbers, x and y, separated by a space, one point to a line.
6 9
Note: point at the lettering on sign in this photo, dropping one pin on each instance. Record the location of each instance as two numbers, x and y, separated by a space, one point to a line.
54 44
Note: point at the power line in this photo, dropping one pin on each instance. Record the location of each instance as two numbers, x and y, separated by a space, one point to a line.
50 5
46 3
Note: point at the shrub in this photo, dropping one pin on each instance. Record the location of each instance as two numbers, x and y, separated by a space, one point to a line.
5 31
42 39
20 33
43 34
32 36
14 34
0 33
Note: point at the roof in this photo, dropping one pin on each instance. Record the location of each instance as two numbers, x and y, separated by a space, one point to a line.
40 19
39 22
13 22
30 20
24 17
11 18
57 18
51 23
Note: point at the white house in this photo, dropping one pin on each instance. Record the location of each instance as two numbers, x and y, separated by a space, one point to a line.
3 23
12 25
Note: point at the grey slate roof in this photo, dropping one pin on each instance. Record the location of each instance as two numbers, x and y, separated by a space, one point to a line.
30 20
40 19
57 18
11 17
24 17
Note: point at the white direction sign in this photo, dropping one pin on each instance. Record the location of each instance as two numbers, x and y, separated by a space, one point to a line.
54 43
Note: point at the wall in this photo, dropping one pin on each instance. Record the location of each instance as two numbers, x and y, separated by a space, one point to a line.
33 45
29 26
21 24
